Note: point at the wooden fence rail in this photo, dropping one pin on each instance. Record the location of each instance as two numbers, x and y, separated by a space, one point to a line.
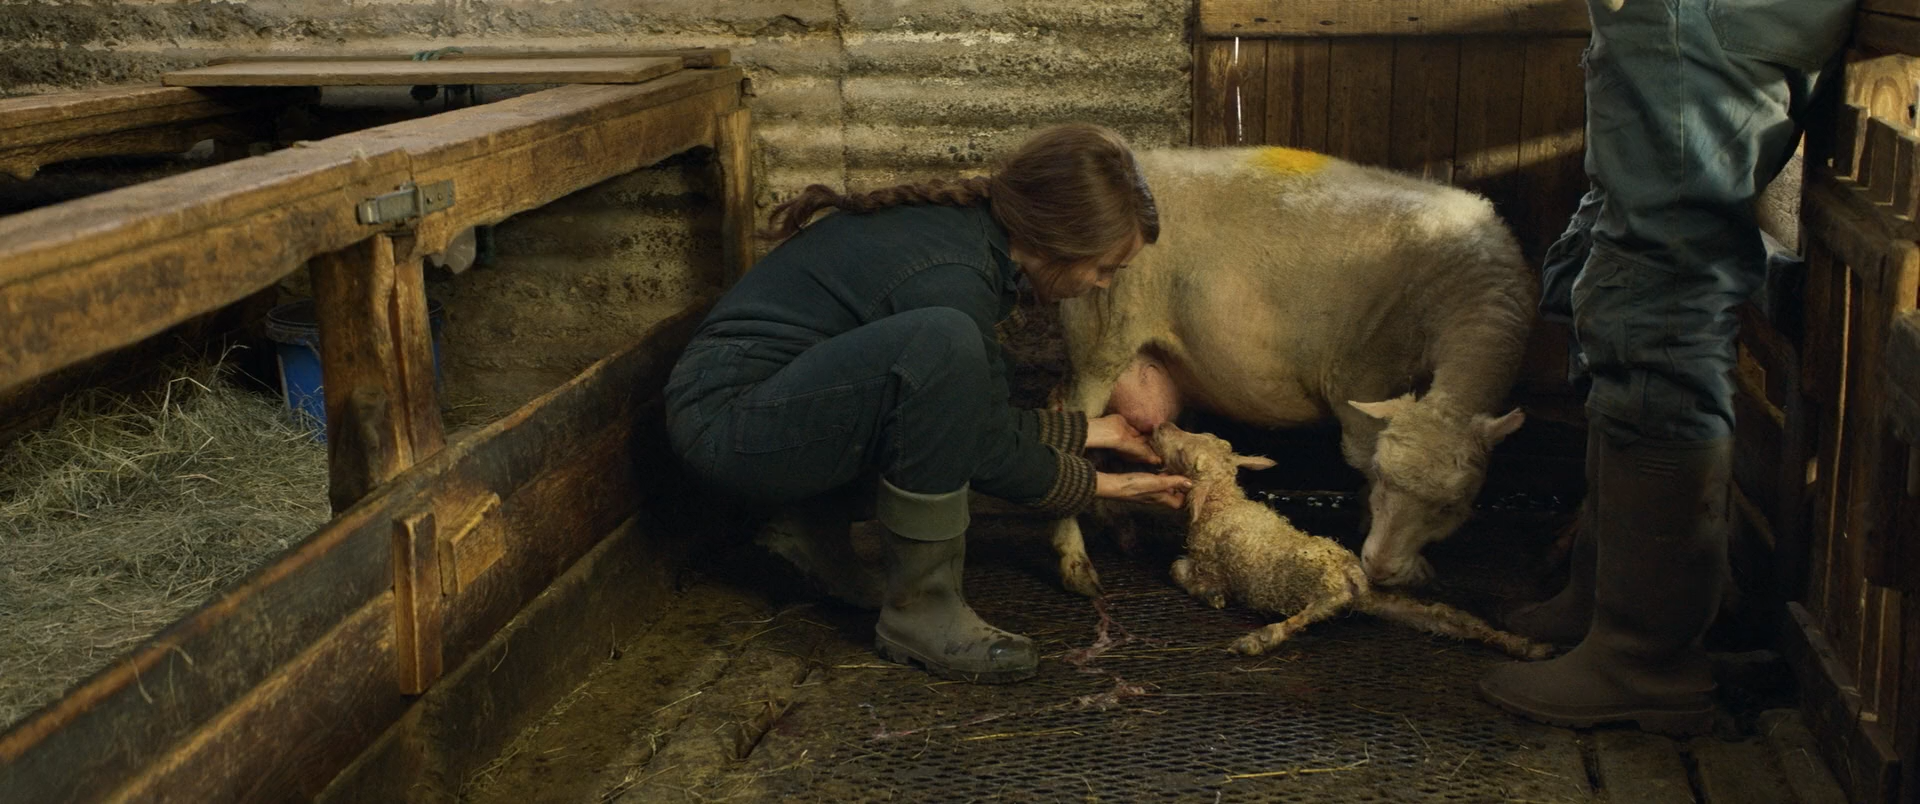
270 690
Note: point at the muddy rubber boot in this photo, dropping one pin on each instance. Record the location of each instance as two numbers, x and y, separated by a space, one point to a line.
924 619
1661 540
1563 619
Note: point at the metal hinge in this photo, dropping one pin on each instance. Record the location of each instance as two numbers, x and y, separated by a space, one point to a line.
410 201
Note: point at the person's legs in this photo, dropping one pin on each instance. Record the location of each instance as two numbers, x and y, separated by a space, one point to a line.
1684 129
903 396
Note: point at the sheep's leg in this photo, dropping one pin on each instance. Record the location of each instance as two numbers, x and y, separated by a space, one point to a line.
1076 568
1445 620
1095 373
1264 639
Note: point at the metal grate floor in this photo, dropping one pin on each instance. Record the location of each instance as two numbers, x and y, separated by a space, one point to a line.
1146 704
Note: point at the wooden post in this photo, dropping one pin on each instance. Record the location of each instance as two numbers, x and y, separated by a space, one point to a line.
417 602
733 155
376 360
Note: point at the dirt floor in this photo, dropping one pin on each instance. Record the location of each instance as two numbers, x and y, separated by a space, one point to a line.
744 692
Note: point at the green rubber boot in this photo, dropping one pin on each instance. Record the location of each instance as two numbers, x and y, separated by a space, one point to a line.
924 619
1662 540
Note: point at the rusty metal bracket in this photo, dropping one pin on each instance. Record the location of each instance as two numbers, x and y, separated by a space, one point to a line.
409 202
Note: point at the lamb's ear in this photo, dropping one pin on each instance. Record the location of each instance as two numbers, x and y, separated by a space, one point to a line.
1253 462
1492 430
1196 498
1385 409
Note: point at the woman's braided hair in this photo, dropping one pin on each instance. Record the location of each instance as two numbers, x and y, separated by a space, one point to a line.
1069 193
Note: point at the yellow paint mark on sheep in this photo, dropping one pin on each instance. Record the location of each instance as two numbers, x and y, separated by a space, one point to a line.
1289 160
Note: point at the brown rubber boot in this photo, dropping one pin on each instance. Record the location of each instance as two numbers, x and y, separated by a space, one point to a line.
923 617
1661 540
1563 619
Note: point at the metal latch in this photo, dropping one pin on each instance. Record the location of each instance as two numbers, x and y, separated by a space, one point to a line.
410 201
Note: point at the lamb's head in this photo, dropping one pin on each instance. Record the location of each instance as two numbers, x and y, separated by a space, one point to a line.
1428 465
1203 457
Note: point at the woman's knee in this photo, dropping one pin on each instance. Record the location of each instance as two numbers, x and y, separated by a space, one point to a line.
945 347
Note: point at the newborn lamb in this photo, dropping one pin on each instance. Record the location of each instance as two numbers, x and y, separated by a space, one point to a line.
1241 549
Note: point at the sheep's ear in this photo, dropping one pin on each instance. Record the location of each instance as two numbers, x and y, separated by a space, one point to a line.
1385 409
1493 430
1253 462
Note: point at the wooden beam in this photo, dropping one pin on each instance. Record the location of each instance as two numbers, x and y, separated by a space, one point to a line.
502 165
418 607
86 276
376 358
331 73
1271 18
1907 726
1886 33
240 700
1903 377
1859 233
37 119
733 157
1859 751
693 57
619 588
40 130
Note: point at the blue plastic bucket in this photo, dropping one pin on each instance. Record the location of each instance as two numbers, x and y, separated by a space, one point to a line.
295 331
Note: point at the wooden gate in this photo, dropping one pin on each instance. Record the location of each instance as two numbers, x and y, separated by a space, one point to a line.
1845 395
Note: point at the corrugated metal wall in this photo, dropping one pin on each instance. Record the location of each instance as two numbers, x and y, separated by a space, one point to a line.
849 93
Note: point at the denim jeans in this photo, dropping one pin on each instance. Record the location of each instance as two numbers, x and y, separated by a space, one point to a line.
1693 106
904 396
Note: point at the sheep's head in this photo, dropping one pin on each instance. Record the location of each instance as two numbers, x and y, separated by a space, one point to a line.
1428 465
1201 455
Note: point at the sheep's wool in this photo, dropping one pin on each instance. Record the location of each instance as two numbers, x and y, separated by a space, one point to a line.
1288 161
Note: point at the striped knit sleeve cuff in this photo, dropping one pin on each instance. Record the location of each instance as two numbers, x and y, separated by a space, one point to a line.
1063 430
1072 487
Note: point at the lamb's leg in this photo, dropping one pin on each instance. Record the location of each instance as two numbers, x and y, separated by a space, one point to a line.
1263 639
1445 620
1189 575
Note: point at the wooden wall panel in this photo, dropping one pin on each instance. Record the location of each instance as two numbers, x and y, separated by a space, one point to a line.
1360 100
1487 127
1247 92
1297 85
1211 59
1426 89
1552 140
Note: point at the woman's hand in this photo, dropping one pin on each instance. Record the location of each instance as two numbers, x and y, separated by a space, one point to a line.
1113 432
1142 487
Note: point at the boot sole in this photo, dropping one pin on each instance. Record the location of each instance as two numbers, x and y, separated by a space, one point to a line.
900 654
1685 722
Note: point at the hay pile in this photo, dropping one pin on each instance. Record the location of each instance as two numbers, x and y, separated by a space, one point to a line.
127 513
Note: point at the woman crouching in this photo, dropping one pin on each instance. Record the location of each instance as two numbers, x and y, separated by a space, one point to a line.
864 345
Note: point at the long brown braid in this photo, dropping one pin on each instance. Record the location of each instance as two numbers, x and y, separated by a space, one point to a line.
1069 193
790 217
